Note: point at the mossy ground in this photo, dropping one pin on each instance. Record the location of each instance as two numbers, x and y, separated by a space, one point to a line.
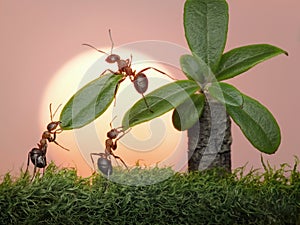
153 196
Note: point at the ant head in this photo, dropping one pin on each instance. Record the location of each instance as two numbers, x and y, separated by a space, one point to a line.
113 133
112 58
53 125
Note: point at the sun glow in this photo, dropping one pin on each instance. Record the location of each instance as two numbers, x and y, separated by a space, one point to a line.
152 143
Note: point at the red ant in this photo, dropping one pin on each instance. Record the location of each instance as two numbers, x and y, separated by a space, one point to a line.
139 79
38 155
104 162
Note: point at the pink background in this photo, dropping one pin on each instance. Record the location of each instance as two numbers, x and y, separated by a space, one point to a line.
39 37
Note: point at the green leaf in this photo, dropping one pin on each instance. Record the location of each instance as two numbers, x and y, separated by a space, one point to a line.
195 69
226 94
89 102
188 113
257 124
160 101
241 59
206 24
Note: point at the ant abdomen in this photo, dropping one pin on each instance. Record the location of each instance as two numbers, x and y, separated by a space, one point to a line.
105 166
141 83
38 158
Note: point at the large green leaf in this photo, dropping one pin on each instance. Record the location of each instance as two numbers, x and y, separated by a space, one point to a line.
206 24
196 69
89 102
188 113
257 124
226 94
160 101
241 59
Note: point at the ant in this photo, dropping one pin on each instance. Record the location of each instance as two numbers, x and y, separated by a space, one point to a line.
139 79
38 155
104 162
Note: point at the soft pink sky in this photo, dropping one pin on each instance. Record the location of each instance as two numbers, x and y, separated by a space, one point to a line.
39 37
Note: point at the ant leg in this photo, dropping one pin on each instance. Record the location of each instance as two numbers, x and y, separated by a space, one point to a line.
116 89
117 162
34 171
128 61
109 171
147 103
106 71
93 159
124 132
53 140
27 163
156 70
132 77
118 157
58 131
60 146
115 93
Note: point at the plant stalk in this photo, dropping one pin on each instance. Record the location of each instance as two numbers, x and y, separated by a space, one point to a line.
209 141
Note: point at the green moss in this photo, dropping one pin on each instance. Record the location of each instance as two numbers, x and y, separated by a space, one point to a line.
153 196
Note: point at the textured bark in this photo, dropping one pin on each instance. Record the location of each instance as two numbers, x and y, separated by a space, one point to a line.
209 144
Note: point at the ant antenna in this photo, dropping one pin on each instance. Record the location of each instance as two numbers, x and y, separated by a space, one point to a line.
112 42
52 115
111 122
91 46
112 45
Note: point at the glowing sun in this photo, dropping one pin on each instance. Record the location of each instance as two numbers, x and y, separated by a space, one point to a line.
152 143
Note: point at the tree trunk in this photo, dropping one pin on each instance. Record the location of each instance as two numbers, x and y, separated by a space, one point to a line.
209 141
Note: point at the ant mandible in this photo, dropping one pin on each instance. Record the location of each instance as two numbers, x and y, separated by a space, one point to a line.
38 155
104 162
139 79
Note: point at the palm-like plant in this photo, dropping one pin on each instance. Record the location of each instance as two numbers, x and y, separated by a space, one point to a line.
203 104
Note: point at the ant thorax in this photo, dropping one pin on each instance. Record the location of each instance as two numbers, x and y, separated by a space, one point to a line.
43 144
46 135
123 64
